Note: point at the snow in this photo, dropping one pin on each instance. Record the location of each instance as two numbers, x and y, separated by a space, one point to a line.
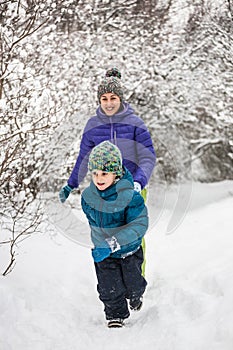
49 301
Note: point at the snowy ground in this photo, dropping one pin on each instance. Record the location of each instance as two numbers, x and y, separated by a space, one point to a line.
49 301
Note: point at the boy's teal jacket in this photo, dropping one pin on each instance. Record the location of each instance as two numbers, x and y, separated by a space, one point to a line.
117 216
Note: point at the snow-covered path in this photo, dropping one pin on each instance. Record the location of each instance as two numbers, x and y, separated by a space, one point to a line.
50 301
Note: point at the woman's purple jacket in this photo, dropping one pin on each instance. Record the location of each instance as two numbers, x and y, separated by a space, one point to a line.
125 130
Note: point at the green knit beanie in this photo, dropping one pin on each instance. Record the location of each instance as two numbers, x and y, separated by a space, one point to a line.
106 157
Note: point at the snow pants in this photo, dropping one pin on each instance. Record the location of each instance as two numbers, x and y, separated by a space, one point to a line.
119 280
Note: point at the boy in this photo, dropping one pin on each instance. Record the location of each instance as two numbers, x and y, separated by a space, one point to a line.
118 220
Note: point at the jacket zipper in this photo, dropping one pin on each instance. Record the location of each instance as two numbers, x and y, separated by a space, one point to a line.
113 133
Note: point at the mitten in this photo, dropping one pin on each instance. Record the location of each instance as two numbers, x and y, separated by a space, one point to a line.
137 187
64 193
113 244
99 254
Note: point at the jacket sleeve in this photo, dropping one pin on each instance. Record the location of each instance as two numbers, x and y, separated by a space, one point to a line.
137 221
146 155
80 169
98 236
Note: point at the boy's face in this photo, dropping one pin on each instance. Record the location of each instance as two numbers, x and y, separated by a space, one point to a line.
110 103
102 179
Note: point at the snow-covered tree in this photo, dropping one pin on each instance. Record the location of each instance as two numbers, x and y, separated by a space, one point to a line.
25 122
176 64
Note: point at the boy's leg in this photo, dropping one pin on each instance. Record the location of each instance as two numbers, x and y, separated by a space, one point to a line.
132 274
144 195
111 288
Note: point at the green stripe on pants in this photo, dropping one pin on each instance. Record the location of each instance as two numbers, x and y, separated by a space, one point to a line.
144 195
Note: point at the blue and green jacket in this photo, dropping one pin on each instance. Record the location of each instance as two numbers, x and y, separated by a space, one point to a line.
117 216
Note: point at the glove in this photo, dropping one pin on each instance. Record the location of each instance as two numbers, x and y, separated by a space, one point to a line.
110 245
99 254
113 244
137 187
64 193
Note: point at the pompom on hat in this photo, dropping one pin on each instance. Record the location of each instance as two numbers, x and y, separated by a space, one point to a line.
106 157
113 72
111 83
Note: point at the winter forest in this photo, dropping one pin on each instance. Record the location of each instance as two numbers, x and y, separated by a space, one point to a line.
175 57
176 62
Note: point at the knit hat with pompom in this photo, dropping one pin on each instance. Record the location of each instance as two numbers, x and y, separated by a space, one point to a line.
111 83
106 157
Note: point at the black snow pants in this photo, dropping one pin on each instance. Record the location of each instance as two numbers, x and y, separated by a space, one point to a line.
119 280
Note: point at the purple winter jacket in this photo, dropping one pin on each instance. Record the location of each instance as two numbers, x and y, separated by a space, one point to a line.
125 130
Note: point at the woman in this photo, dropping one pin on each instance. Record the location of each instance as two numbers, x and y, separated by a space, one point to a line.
115 121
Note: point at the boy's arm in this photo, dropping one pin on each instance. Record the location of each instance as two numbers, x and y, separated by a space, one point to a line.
136 222
103 250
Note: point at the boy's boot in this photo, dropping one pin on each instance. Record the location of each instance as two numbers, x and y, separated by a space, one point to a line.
116 323
135 304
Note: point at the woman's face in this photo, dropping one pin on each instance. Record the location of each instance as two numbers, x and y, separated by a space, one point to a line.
110 103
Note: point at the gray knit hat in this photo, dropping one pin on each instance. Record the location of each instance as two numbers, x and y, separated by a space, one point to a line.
111 83
106 157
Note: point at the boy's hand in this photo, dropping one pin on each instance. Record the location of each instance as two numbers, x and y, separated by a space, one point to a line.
99 254
64 193
109 246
